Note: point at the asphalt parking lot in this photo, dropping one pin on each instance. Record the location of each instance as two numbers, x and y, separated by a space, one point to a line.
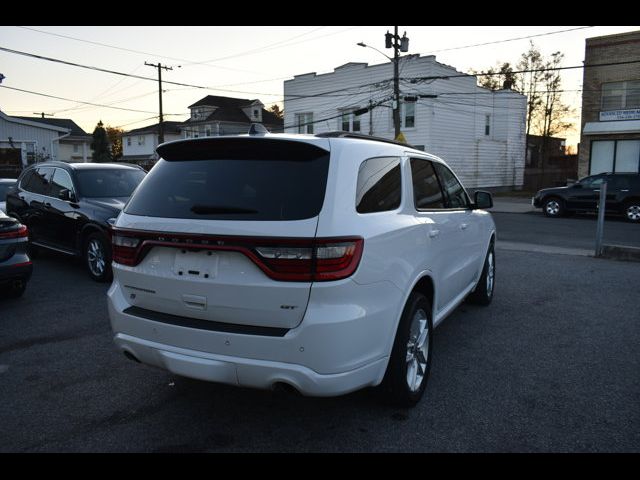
551 365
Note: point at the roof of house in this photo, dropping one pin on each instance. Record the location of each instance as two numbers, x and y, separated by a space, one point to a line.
222 102
230 110
59 122
169 127
30 121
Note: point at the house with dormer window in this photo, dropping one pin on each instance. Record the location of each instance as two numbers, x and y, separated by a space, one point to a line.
214 115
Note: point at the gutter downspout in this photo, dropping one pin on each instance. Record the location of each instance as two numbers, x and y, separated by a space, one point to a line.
58 140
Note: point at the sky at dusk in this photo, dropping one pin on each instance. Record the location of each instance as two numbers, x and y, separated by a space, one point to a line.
247 62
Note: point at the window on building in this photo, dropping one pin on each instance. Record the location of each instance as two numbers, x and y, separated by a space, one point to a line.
379 185
141 140
349 121
75 148
255 113
304 122
487 124
128 141
409 115
621 95
208 131
615 156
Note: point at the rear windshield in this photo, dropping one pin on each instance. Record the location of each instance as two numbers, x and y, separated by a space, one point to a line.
108 183
268 185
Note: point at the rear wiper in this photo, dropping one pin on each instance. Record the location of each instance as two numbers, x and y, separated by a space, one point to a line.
213 209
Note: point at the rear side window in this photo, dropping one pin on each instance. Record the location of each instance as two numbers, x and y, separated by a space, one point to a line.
39 181
256 180
379 185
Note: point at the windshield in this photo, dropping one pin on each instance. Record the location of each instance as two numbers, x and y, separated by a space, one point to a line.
108 182
4 188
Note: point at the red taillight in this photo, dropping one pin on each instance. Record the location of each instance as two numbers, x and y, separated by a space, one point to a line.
316 260
21 232
283 259
124 249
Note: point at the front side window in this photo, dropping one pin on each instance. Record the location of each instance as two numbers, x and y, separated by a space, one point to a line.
427 194
60 181
39 181
455 195
304 122
379 185
592 182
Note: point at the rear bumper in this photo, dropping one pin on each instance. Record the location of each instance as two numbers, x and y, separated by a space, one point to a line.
18 267
244 371
339 347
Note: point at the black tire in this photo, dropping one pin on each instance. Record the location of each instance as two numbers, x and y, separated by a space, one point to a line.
553 207
483 293
395 387
96 255
15 289
632 211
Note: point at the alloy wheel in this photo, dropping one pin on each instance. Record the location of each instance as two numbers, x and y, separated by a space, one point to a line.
417 350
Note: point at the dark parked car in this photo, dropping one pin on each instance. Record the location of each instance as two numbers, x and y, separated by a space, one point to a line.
15 265
68 207
623 196
5 184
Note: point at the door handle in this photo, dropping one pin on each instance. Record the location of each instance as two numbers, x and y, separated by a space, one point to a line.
596 190
434 233
463 226
625 190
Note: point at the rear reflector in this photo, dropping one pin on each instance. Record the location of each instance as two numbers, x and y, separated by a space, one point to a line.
283 259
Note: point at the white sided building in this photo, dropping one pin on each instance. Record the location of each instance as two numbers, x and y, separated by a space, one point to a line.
479 132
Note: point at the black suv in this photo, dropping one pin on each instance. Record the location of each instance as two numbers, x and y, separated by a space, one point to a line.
623 196
68 207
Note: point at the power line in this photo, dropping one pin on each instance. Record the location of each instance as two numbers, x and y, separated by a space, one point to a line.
80 101
509 39
130 50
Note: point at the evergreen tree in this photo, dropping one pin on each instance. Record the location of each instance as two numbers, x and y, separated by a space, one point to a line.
100 145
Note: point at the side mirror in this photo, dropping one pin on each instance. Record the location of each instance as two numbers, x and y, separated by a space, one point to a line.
66 195
483 199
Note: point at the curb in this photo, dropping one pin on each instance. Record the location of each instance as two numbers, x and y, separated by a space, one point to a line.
621 252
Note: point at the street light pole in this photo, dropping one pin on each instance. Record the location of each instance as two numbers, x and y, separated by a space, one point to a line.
399 45
396 84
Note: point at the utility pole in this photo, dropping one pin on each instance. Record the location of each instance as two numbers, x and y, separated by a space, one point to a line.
399 45
160 67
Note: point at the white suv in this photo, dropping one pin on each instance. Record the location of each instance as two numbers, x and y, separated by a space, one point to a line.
317 262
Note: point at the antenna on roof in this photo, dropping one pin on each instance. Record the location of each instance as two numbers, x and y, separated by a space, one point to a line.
42 114
257 129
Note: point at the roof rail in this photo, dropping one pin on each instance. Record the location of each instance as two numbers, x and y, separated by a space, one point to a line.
361 136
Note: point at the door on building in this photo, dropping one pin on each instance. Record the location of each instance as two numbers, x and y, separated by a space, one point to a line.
10 162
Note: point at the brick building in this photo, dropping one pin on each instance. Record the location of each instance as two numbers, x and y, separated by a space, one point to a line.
610 127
